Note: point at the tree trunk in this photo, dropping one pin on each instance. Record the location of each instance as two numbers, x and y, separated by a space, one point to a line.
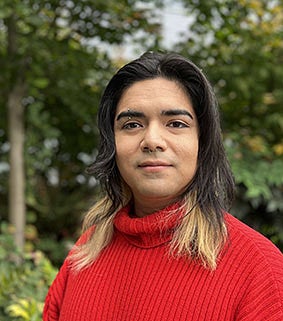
16 137
17 173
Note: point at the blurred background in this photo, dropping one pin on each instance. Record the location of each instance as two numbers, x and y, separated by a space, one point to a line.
56 58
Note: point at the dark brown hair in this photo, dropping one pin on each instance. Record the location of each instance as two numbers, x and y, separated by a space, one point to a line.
213 181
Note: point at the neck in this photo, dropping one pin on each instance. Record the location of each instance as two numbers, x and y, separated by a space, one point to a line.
142 209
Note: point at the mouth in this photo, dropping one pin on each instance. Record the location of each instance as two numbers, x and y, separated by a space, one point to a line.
154 166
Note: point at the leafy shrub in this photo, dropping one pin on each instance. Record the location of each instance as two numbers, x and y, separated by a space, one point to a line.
24 278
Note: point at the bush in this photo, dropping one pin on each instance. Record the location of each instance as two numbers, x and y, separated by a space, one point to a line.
24 278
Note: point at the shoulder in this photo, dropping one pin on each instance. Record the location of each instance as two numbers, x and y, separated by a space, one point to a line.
258 259
243 235
86 236
259 265
56 292
252 248
54 298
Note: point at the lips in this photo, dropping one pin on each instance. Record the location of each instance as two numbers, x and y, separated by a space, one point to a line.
153 163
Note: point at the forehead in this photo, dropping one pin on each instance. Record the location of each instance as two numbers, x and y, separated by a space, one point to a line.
154 93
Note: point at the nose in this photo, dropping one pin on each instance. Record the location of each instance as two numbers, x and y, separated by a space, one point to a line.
153 139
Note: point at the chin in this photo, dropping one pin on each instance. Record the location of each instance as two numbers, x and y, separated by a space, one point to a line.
154 195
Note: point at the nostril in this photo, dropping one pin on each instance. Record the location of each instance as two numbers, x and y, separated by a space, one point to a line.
152 150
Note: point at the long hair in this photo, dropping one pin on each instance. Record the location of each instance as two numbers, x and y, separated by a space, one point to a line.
202 232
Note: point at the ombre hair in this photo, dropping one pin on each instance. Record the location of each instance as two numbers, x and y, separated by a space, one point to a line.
201 233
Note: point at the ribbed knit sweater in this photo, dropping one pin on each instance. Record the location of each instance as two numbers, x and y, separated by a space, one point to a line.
135 279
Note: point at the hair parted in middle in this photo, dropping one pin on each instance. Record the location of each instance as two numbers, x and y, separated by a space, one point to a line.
209 193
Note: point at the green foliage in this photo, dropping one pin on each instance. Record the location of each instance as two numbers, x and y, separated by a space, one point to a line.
61 52
55 250
259 197
64 58
24 278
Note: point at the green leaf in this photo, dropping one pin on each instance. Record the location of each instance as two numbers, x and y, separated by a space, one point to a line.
41 83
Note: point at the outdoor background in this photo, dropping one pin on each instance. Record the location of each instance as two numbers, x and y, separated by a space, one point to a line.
55 59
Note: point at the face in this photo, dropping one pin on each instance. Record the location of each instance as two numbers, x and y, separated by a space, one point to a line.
156 137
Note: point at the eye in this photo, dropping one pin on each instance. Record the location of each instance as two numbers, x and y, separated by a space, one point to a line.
131 125
177 124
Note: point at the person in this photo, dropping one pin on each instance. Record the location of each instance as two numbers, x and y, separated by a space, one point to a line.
160 244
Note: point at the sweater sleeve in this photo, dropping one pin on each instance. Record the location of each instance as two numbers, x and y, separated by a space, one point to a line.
263 299
55 295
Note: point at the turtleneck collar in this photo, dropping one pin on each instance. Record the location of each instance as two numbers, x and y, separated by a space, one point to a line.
150 231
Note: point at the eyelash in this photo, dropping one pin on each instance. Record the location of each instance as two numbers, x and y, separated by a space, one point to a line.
172 124
131 125
178 123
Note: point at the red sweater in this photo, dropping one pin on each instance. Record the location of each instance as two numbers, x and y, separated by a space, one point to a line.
135 279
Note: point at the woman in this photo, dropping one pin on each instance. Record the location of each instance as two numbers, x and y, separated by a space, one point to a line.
159 245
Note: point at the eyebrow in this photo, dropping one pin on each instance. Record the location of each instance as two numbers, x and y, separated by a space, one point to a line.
137 114
130 114
176 112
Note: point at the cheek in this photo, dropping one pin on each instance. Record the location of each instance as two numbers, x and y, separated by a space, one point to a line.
124 149
123 158
121 153
189 159
188 149
119 147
